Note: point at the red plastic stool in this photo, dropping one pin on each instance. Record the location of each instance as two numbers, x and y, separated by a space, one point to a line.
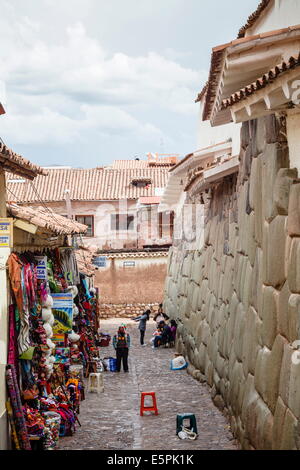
148 408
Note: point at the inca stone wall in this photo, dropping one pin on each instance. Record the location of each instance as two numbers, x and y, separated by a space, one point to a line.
237 299
126 311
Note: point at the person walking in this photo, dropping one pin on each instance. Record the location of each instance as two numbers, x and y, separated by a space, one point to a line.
121 343
143 325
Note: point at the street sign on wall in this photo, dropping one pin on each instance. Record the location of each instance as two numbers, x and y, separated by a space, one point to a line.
42 267
129 264
6 232
100 261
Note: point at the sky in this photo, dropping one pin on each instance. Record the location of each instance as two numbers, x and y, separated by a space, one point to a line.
86 82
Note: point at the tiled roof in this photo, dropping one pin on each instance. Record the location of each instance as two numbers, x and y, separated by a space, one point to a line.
88 185
11 161
254 17
217 58
129 164
190 155
2 110
47 219
262 82
202 93
84 258
140 164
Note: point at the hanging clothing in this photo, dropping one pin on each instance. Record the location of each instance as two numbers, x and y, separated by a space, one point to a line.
15 275
12 357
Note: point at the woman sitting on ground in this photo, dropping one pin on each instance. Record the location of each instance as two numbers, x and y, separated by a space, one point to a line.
164 337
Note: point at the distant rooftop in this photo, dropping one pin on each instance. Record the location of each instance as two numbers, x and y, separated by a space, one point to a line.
154 160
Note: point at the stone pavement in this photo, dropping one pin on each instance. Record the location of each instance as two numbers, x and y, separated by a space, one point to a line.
111 421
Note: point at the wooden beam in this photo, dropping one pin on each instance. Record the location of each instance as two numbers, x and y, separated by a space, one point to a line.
3 210
26 226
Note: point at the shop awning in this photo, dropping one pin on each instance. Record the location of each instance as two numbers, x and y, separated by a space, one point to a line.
47 219
14 163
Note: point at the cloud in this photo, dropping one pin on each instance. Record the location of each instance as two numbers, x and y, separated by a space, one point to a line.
65 90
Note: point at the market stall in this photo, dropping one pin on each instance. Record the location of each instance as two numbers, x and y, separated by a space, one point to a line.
53 324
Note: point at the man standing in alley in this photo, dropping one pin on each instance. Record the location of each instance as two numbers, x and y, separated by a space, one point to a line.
121 343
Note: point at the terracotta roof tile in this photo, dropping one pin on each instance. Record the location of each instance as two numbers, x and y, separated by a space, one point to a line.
88 185
140 164
254 17
47 219
217 57
11 161
261 82
202 93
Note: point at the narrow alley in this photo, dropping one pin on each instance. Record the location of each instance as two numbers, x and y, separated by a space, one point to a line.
111 420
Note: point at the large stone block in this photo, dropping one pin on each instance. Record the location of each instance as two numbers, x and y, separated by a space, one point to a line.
236 381
282 299
187 265
284 383
239 331
197 269
255 197
252 341
272 129
256 284
294 386
227 289
294 317
261 370
272 373
258 423
283 183
230 329
269 316
195 297
274 158
289 432
246 283
294 266
257 136
293 225
245 135
279 418
274 252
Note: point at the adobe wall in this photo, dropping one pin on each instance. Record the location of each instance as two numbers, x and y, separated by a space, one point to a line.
237 300
125 310
142 283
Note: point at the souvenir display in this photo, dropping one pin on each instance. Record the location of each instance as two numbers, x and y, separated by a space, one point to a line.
53 324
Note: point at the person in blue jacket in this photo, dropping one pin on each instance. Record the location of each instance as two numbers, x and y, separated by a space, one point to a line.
142 319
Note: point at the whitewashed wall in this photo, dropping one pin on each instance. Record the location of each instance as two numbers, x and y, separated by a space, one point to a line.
281 14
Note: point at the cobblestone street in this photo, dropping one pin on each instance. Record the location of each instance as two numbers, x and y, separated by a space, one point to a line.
111 420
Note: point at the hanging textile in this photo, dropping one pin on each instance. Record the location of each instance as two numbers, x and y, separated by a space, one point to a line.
15 398
12 341
15 275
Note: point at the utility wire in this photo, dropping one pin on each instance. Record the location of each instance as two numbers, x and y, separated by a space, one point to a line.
44 204
52 215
